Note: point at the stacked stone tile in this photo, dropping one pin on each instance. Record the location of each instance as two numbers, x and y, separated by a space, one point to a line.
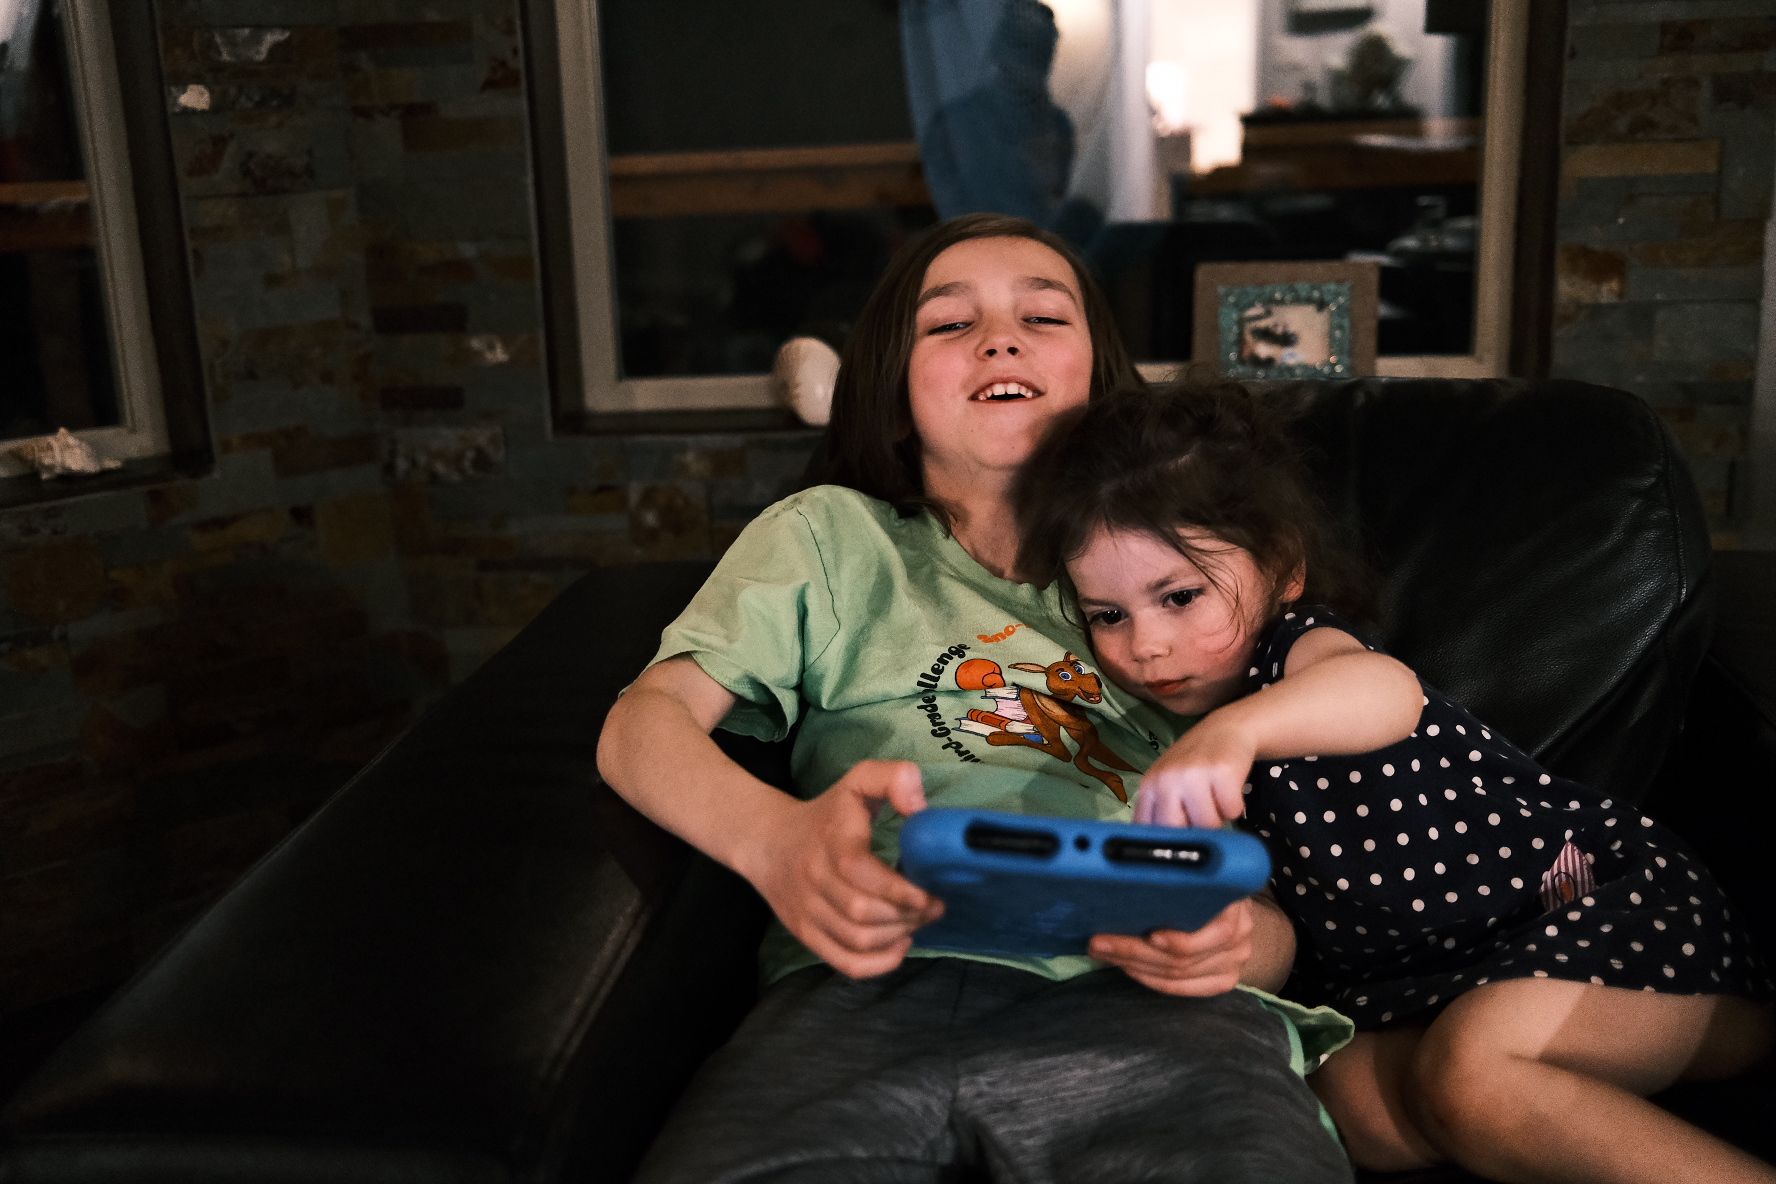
1666 178
188 668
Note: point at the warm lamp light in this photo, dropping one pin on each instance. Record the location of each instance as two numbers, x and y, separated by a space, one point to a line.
1168 93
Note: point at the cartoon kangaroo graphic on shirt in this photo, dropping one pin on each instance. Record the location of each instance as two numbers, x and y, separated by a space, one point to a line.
1037 720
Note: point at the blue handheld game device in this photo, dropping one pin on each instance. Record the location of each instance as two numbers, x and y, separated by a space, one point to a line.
1021 884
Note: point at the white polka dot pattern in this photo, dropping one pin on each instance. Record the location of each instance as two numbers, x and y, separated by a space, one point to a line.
1447 849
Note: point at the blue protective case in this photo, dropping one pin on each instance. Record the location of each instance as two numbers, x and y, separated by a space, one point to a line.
1022 884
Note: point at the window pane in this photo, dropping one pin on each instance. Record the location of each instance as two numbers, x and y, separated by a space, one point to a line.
54 344
762 171
763 162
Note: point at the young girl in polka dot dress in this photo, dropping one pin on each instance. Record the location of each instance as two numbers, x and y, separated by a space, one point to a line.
1525 958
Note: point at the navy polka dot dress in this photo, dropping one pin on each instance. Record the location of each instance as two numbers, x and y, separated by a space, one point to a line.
1451 859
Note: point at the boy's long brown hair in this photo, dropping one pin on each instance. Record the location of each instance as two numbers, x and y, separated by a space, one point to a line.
1196 457
870 444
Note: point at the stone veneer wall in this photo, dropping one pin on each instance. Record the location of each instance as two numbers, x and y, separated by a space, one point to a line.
1665 189
187 669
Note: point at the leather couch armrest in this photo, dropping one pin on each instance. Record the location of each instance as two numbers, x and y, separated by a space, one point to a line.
417 982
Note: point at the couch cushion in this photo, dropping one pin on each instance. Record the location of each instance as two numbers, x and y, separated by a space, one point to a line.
1542 552
419 982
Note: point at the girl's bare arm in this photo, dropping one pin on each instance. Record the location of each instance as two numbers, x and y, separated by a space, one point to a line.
656 751
810 860
1335 698
1273 945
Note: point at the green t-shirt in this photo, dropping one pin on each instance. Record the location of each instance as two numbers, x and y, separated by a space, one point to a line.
885 640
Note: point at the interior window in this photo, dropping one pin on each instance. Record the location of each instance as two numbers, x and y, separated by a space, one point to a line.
760 162
90 230
56 343
761 172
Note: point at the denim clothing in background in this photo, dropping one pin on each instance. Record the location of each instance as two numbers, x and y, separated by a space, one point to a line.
990 135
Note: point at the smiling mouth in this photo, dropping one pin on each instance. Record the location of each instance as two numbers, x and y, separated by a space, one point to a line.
1004 392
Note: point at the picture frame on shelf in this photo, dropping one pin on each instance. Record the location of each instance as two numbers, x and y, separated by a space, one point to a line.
1305 319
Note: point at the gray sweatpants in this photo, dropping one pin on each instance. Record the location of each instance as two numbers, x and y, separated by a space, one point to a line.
951 1070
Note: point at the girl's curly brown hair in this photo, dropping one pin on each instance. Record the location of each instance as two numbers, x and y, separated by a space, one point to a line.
1199 457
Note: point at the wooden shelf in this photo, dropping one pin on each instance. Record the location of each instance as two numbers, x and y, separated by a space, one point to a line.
45 216
40 193
1351 154
766 180
1270 136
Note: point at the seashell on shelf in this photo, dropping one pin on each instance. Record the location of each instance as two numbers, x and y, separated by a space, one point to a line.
806 369
64 455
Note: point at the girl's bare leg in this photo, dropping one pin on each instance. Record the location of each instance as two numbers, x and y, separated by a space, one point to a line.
1538 1079
1544 1080
1363 1087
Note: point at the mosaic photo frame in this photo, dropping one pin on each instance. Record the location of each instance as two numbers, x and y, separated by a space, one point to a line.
1305 319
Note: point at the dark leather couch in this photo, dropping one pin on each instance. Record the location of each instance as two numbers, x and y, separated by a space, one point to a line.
475 963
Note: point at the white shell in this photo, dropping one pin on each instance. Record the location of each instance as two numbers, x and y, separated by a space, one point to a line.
64 455
803 376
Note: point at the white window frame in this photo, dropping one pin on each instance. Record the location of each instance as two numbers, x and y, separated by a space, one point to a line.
1501 166
593 279
104 147
588 226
